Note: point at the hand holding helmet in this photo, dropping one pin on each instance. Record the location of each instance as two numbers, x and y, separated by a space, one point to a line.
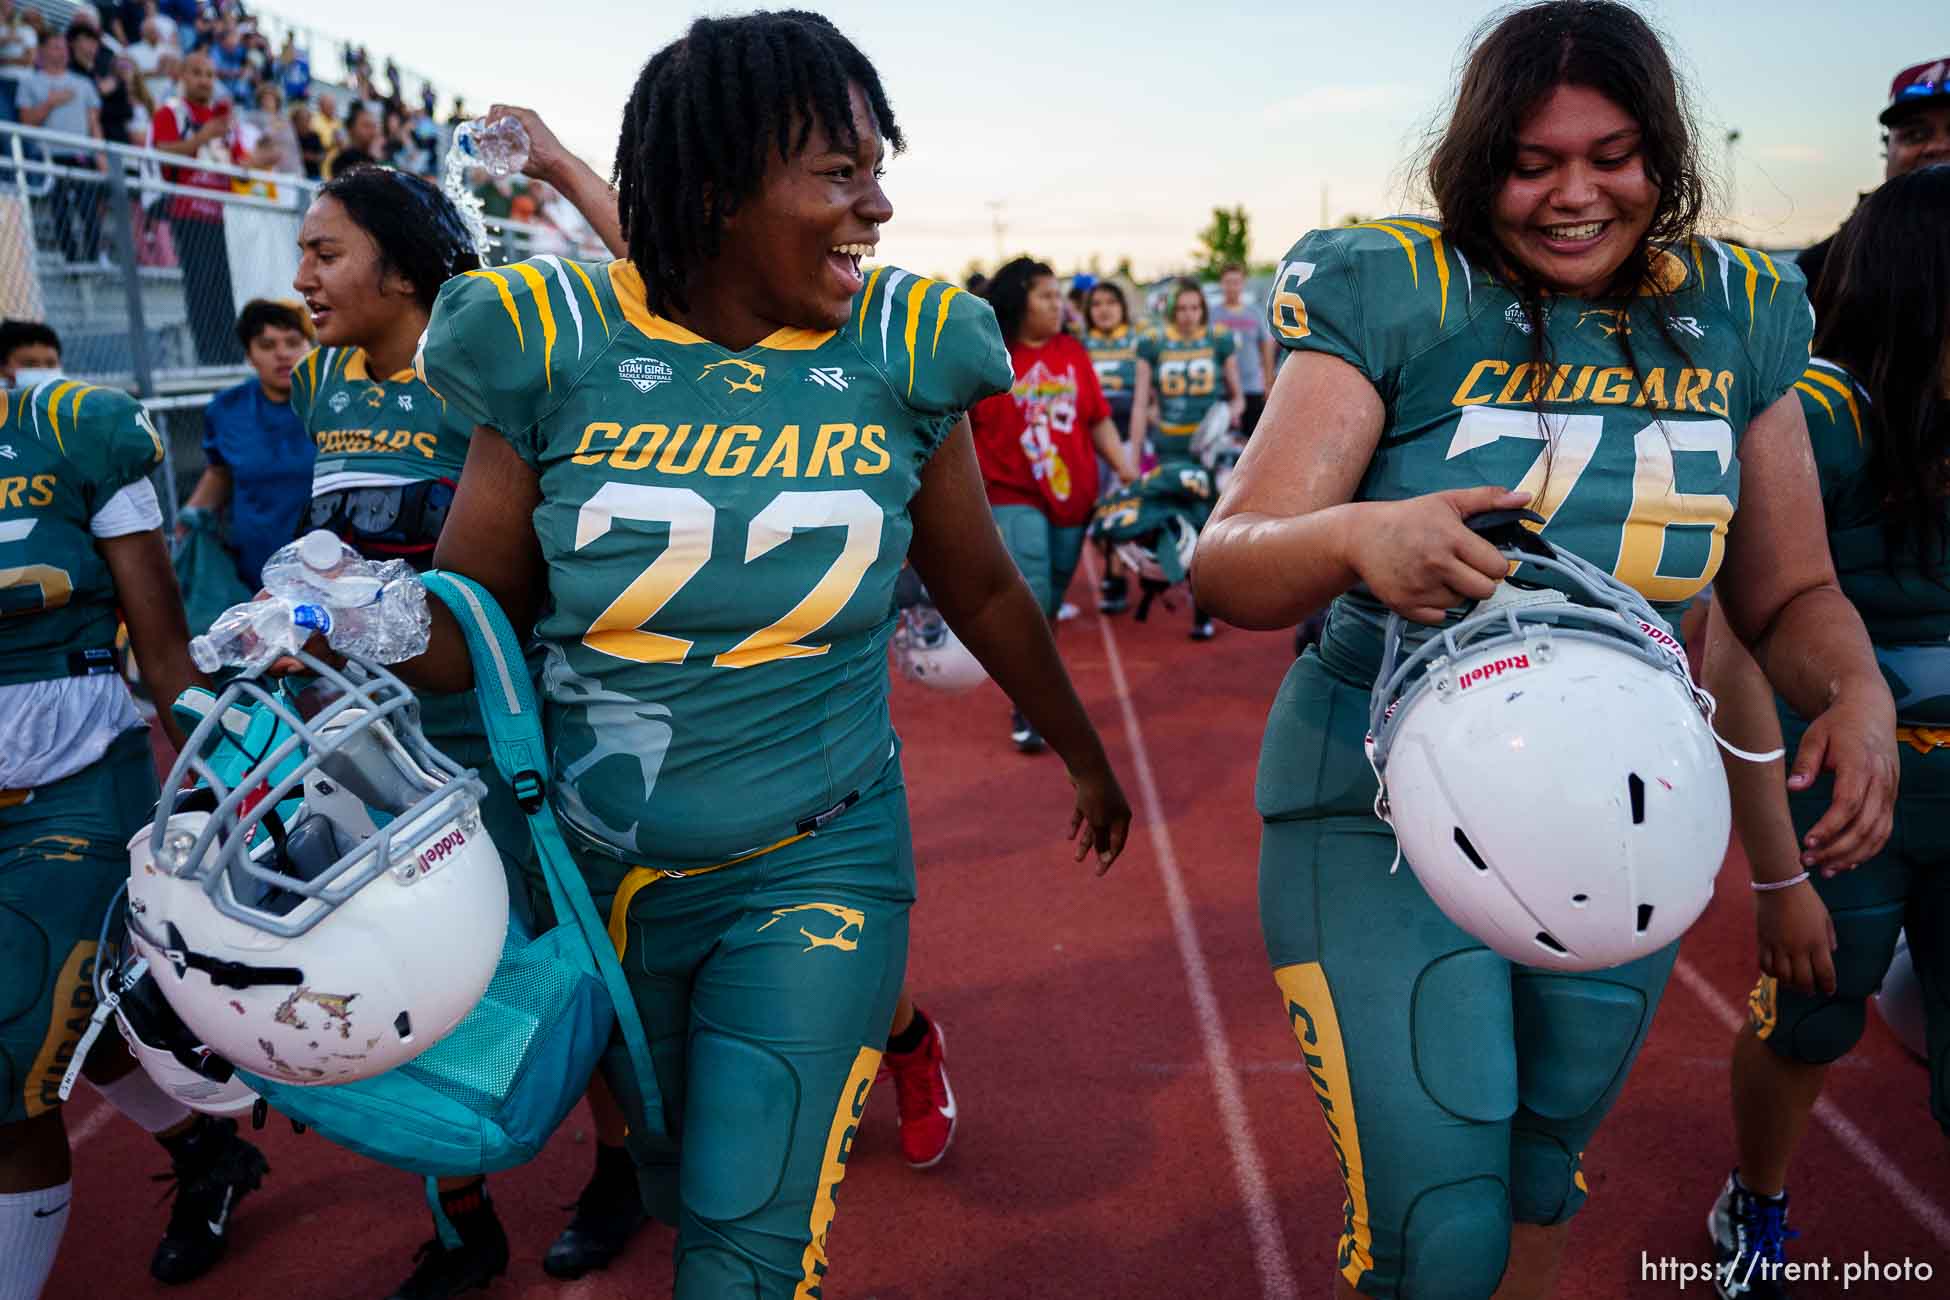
1420 559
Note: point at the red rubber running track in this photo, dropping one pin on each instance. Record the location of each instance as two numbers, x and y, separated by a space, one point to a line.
1134 1118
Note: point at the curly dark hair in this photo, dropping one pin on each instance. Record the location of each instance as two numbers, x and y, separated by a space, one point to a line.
1891 263
707 110
1516 61
1008 292
418 229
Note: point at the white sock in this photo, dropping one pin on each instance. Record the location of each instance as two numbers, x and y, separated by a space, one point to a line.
31 1224
136 1095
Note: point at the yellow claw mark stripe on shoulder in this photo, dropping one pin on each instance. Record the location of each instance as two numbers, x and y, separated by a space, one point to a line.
866 297
1840 388
1772 270
74 408
914 298
538 288
1753 281
311 368
507 301
941 317
1434 236
1699 264
595 298
61 390
1408 247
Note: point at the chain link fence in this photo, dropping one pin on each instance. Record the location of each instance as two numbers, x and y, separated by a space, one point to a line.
143 276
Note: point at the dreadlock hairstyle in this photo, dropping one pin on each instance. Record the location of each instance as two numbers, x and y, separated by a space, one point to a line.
1514 65
708 110
418 230
1008 292
1884 310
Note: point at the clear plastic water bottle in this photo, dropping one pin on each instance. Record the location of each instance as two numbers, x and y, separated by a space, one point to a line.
251 635
501 146
319 567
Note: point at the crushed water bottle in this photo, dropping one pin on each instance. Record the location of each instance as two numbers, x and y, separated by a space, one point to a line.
375 611
251 635
500 146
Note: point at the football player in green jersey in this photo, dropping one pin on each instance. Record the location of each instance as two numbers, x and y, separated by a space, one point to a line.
1188 359
374 249
695 474
80 538
1558 337
1113 342
1877 403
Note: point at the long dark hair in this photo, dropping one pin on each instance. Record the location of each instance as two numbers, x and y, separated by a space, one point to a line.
1116 291
1179 288
1883 312
706 112
1515 63
417 228
1008 292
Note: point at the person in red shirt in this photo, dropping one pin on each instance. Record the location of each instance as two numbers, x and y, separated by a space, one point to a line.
199 126
1038 444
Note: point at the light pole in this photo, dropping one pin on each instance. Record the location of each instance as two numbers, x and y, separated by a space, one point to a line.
1733 180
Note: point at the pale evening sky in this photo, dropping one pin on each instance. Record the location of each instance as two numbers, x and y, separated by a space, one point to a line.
1113 128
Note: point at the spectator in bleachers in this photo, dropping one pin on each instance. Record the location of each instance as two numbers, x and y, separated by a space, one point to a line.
362 142
311 150
232 70
58 98
155 56
293 70
259 456
18 44
90 57
199 126
124 21
173 16
325 123
142 102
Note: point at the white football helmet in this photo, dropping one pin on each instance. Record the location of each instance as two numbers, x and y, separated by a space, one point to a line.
1900 1000
326 903
1216 446
1550 771
927 650
1177 543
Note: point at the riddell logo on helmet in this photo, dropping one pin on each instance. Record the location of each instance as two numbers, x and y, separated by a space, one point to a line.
1492 670
1665 639
442 848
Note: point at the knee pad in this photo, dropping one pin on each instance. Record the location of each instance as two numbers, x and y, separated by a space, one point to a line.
1546 1178
1456 1241
737 1127
1816 1031
1575 1036
23 963
1459 1017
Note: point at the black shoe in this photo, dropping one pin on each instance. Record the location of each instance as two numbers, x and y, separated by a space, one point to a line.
1202 630
216 1170
481 1257
1026 737
1113 595
607 1215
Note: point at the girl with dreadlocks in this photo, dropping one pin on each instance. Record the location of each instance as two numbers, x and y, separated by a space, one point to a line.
1558 337
695 475
374 249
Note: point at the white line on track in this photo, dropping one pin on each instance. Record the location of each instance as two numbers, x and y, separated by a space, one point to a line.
1262 1222
1857 1143
94 1122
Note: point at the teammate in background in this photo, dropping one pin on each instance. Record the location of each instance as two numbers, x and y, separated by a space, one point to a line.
1187 359
1113 343
1034 443
375 247
1877 404
695 475
1252 342
80 536
1916 133
1461 1089
29 353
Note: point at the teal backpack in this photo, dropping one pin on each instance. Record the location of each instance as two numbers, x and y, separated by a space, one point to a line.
488 1095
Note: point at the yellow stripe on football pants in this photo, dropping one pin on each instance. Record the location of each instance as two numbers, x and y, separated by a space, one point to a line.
839 1145
1317 1027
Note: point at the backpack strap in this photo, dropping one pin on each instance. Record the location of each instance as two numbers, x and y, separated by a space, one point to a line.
514 726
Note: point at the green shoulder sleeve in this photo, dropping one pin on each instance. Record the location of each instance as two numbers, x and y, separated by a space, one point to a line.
1766 302
103 432
306 376
505 343
937 346
1224 343
1833 407
1372 294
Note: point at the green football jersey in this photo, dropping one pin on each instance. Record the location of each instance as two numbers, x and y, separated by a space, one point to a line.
65 449
722 532
1188 373
1115 357
371 430
1633 467
1906 609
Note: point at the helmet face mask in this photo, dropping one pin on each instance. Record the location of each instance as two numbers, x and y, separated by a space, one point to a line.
326 902
1550 771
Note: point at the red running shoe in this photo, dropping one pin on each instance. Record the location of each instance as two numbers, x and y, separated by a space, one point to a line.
924 1099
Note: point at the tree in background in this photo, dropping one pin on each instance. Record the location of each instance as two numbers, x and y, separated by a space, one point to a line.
1225 240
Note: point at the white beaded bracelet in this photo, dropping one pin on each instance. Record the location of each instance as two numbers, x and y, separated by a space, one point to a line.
1772 885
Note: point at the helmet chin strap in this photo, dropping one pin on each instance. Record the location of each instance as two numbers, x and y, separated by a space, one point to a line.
1709 706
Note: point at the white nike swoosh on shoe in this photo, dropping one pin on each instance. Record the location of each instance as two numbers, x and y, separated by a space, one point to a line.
223 1213
948 1111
